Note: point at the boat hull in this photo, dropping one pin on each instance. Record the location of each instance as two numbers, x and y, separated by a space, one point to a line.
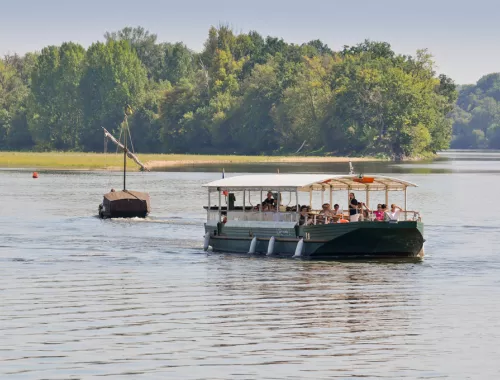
361 240
124 204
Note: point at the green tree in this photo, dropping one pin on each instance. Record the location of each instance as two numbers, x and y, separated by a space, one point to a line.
13 94
476 116
56 102
113 78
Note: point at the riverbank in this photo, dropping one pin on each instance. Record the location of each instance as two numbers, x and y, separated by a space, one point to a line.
101 161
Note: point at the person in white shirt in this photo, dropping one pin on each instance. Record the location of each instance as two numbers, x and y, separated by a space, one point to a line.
336 210
393 213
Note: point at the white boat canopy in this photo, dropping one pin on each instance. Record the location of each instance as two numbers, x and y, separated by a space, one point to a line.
308 182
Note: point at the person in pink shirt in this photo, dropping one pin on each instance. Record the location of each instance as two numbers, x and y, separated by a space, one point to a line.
379 214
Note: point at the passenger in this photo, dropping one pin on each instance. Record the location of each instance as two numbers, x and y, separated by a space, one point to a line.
353 208
336 209
304 216
364 213
393 214
324 214
326 210
384 210
269 201
379 214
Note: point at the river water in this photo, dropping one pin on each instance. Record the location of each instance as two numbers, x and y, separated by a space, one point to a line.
83 298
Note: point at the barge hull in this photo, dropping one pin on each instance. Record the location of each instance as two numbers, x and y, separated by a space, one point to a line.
361 240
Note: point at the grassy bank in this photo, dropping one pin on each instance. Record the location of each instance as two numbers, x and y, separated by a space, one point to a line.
101 161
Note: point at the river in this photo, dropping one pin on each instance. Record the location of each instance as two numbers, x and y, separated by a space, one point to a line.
84 298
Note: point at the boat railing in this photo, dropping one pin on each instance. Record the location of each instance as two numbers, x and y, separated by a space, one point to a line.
239 215
315 218
407 215
269 216
213 215
411 215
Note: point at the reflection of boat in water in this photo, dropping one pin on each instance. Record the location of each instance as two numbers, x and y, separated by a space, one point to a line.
125 203
248 229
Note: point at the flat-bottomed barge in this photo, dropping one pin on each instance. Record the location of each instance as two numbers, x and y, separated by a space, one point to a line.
272 228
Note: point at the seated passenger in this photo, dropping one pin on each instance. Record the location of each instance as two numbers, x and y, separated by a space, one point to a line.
269 201
326 210
379 214
304 216
384 210
336 210
364 213
393 214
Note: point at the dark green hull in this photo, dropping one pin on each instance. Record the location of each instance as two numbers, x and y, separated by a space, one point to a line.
362 240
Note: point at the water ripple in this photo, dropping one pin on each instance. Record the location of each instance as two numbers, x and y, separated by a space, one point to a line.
86 299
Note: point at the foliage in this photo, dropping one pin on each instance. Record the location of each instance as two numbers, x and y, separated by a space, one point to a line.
476 116
113 78
244 93
14 91
55 99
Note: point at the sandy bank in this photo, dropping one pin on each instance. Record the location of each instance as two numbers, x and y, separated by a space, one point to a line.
157 164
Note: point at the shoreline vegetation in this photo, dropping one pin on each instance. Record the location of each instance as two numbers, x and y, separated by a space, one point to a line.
244 93
114 162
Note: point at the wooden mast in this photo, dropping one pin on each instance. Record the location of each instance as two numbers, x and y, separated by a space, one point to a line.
125 126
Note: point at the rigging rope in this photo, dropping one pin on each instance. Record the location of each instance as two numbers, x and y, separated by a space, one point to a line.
143 178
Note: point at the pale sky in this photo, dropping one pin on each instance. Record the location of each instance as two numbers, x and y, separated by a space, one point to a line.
463 36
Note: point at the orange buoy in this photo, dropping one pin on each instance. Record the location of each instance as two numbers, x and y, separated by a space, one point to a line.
35 175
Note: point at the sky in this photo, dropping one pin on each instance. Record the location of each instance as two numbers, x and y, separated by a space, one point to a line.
463 36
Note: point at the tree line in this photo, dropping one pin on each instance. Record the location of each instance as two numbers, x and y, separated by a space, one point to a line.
242 93
476 117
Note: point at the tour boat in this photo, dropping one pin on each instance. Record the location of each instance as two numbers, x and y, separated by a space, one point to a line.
247 228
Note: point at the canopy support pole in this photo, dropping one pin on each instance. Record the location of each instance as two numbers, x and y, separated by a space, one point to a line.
367 196
310 198
348 198
406 203
296 204
220 205
331 196
322 196
244 203
278 203
208 209
387 196
260 206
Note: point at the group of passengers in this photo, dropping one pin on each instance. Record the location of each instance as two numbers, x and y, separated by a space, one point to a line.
326 215
358 211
